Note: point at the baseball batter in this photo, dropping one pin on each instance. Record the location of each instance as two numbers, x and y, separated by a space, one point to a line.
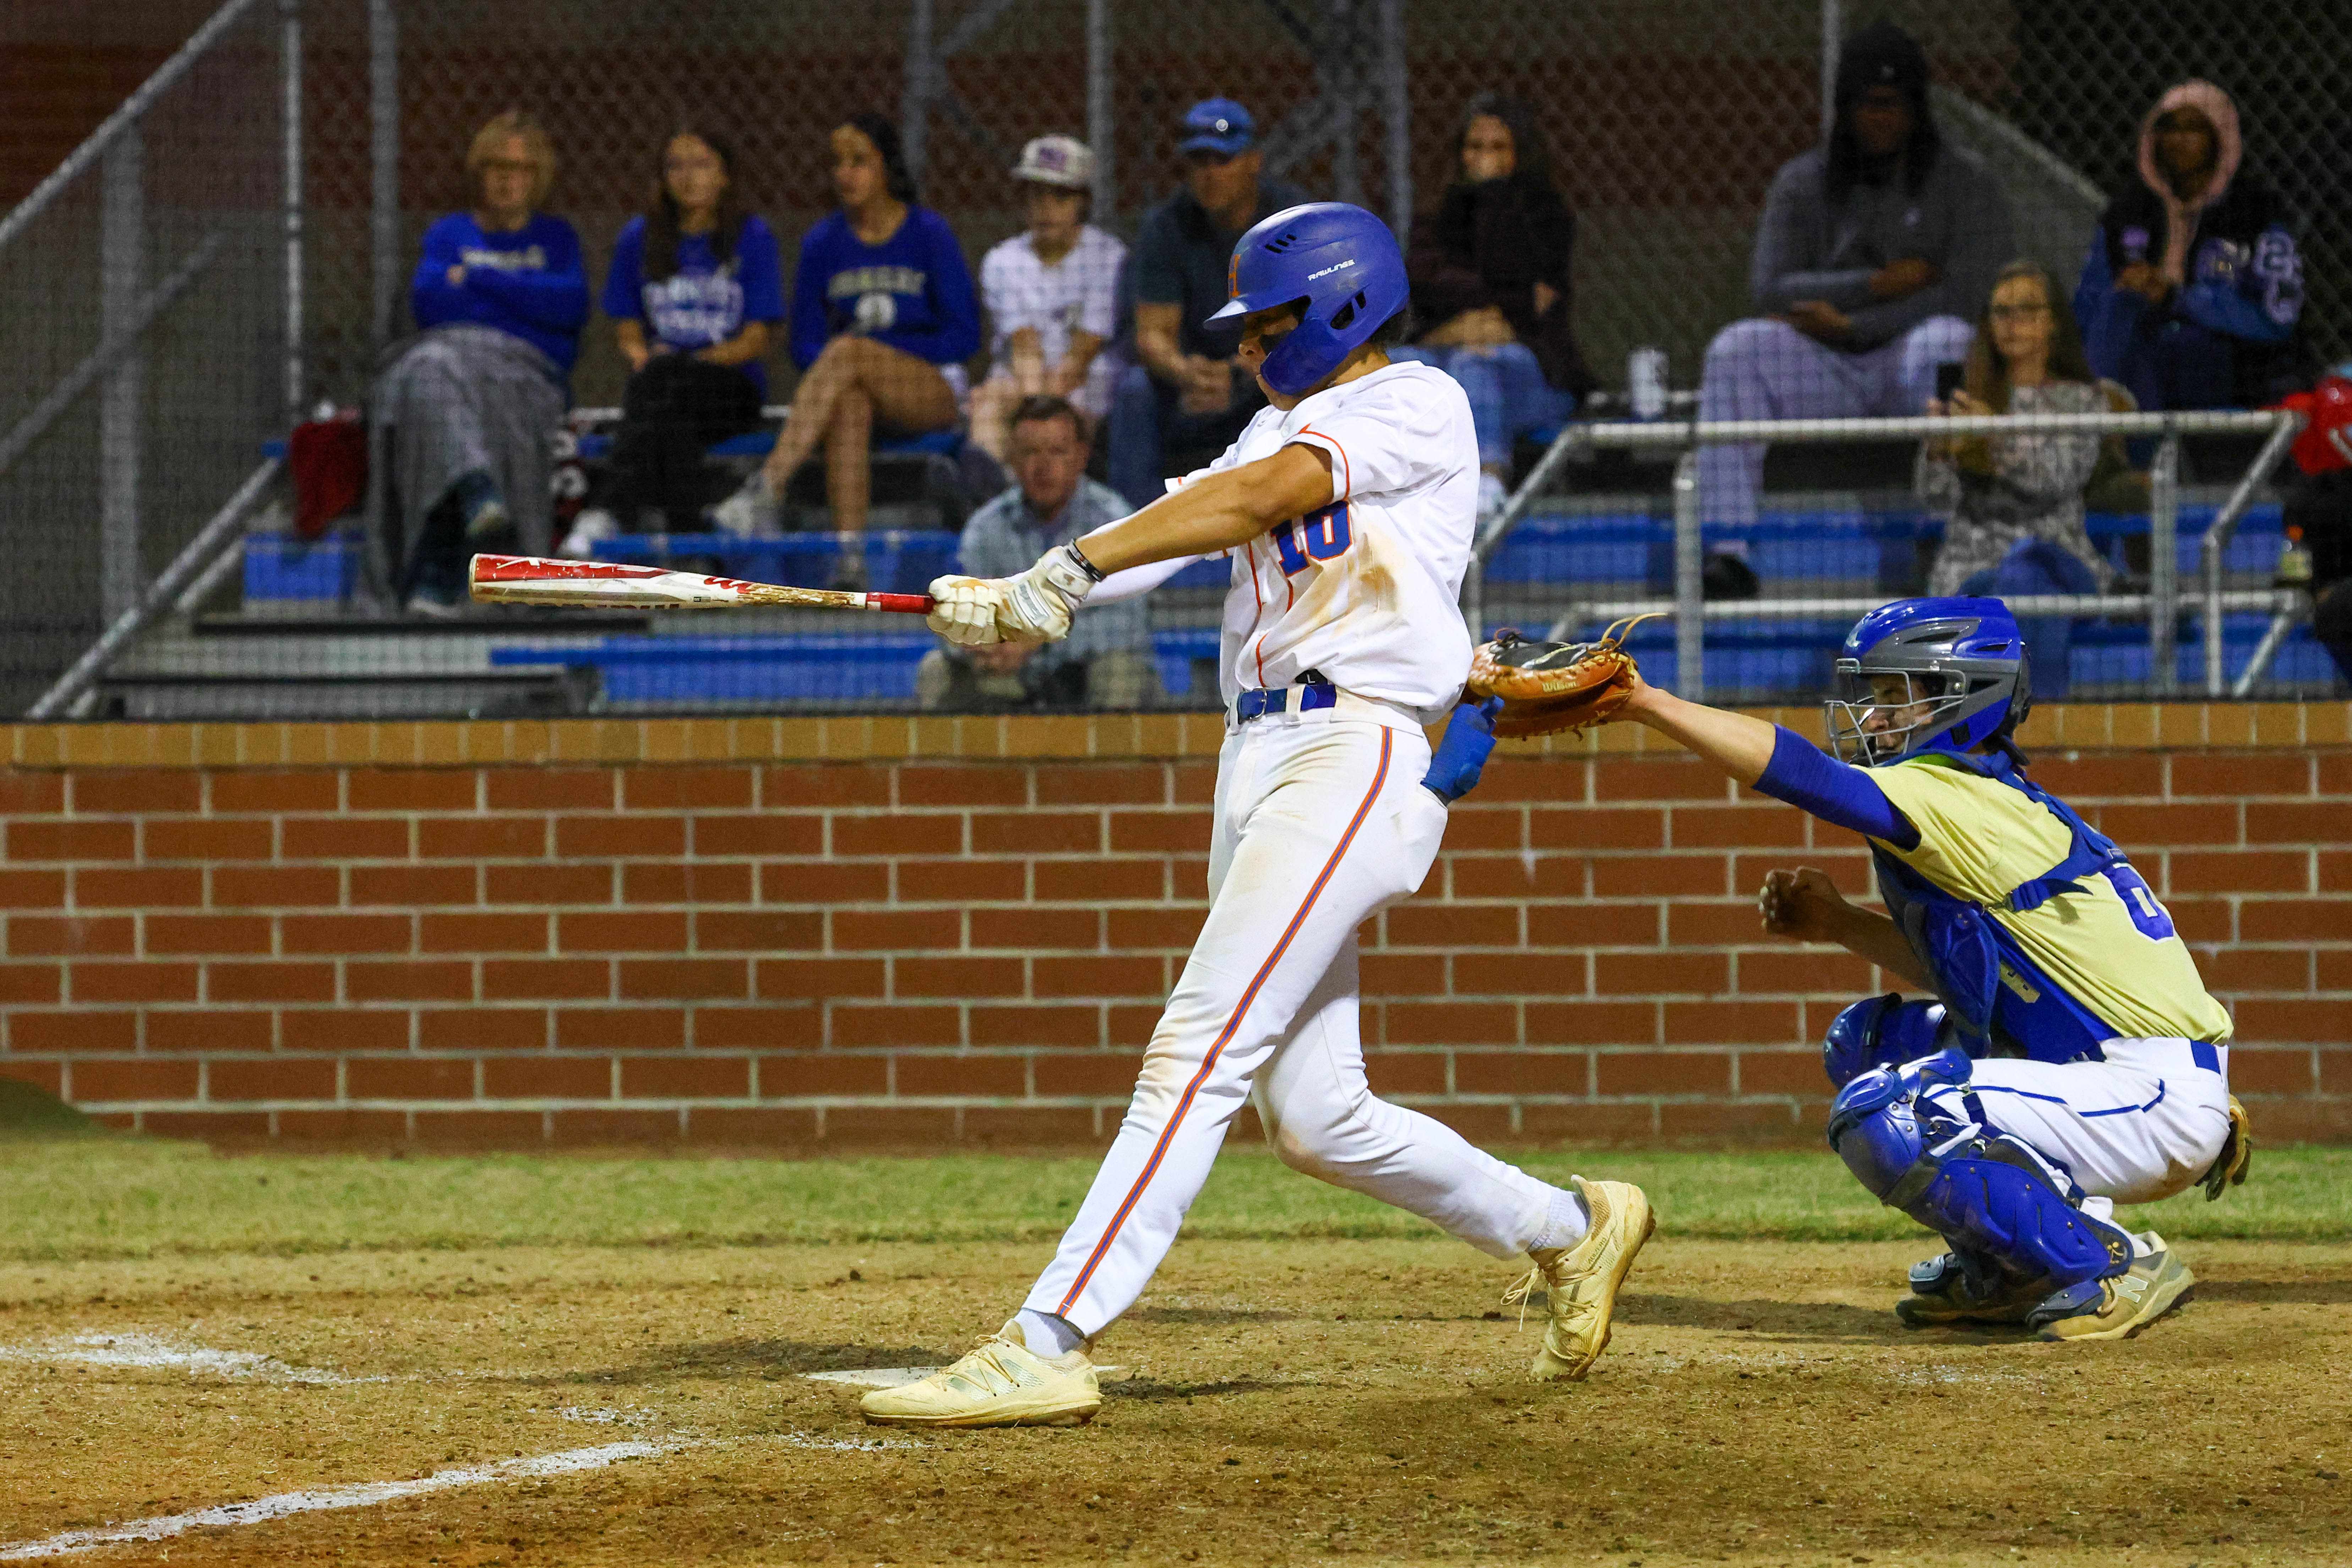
2074 1058
1347 508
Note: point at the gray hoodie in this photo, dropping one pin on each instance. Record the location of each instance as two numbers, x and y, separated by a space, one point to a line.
1805 249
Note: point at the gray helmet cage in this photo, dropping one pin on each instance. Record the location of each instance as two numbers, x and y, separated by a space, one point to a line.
1948 688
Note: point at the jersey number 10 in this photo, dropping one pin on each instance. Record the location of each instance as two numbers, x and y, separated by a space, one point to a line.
1318 536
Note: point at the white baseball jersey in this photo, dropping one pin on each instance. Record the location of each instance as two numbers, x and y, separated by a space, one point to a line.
1367 590
1079 292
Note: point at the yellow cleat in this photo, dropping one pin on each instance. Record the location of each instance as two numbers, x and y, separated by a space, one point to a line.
1003 1383
1580 1284
2119 1308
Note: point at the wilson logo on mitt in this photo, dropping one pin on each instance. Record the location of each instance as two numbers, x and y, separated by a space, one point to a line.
1549 687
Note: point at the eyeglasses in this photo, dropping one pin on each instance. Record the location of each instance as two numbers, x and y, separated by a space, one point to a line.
2017 312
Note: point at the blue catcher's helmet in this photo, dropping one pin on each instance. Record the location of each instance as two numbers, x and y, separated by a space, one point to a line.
1340 262
1964 674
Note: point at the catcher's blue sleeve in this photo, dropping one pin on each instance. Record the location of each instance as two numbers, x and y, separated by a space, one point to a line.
1810 779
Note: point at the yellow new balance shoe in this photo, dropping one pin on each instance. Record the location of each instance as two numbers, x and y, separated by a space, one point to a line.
2119 1307
1003 1383
1580 1284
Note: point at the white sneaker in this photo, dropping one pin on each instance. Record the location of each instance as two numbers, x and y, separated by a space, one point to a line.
751 512
1580 1284
589 530
1003 1383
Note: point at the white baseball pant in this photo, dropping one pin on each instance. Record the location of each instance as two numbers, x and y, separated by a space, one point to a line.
2141 1125
1320 822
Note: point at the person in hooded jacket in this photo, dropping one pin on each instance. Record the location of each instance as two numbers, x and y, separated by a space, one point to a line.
1874 250
2192 293
1490 273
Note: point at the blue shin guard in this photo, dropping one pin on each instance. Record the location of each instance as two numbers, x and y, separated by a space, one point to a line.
1984 1191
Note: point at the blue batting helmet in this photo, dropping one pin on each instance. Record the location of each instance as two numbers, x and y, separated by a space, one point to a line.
1341 263
1965 680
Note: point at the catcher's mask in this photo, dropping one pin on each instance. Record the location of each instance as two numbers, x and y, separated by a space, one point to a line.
1929 675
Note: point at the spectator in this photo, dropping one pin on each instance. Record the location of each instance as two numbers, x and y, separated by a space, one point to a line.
2013 503
882 319
1870 249
1052 295
1491 278
1190 395
467 414
1105 661
704 276
2192 291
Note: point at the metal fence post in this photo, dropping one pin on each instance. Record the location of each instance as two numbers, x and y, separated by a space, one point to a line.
1832 36
384 174
123 279
290 62
914 110
1101 110
1397 106
1342 80
2164 564
1690 607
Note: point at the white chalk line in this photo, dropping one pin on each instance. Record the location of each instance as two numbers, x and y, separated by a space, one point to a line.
155 1353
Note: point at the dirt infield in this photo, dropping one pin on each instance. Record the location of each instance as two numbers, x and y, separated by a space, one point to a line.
1289 1400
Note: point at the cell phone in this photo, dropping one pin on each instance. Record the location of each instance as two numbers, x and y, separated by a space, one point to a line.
1949 375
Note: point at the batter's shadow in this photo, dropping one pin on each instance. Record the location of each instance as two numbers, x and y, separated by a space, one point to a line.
751 1358
1815 1322
2277 1292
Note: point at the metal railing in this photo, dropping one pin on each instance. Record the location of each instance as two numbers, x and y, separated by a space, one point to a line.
2160 604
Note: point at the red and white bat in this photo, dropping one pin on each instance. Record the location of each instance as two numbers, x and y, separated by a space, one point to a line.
535 580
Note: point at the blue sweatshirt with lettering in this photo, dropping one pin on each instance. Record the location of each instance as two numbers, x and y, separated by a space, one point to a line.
912 291
529 283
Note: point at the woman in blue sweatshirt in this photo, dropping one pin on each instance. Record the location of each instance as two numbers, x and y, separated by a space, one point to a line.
883 317
465 415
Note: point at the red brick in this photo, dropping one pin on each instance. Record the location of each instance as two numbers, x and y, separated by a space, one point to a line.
1036 930
73 840
683 979
686 788
797 1027
342 1126
1029 1126
136 1079
188 840
1153 832
716 931
343 837
1403 975
489 838
444 932
1132 931
371 935
1520 1072
481 1128
808 1076
1662 1072
409 1078
279 1077
550 884
1713 1023
2235 777
546 979
821 977
547 1077
961 882
1511 876
78 1030
2326 1023
2098 777
273 791
909 1128
275 886
1509 777
2284 919
47 889
1613 1124
2142 825
2335 773
1451 1024
1591 1023
964 1073
1736 826
140 791
125 888
1098 976
1491 828
895 930
1406 1072
2253 1071
1661 779
236 1128
1766 1125
277 981
482 1029
2297 822
412 789
206 934
960 783
2335 1071
627 931
1784 1072
407 886
343 1029
1132 1023
806 785
1660 974
1520 975
47 936
1425 924
1097 784
1096 881
550 789
1192 782
210 1029
684 1078
1615 828
2242 969
2335 871
1585 925
1074 1026
620 1028
1850 869
1732 923
836 882
956 977
31 793
769 835
1660 876
132 983
737 1127
849 1024
40 984
1479 1124
2234 871
671 882
1807 971
47 1077
856 836
409 980
614 1128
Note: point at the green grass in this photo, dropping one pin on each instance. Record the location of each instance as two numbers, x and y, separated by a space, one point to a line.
102 1198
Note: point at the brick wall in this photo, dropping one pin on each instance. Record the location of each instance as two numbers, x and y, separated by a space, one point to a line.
780 931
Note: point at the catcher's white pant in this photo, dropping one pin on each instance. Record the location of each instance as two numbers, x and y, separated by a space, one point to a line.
1321 820
2139 1126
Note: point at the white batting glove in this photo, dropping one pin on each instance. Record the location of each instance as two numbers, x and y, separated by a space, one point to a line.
1039 602
965 609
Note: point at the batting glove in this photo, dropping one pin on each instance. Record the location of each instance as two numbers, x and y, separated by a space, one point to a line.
1039 602
964 610
1462 750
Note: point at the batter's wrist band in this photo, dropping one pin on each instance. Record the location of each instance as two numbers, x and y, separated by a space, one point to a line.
1093 574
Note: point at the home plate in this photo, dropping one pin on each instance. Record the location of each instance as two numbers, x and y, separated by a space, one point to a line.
899 1376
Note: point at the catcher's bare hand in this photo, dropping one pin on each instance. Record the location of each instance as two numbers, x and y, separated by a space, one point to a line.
1803 905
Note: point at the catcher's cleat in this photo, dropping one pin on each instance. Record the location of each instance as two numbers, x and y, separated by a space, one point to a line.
2121 1305
1580 1284
1948 1290
1003 1383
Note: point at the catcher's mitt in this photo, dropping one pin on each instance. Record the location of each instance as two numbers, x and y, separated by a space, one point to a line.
2229 1168
1548 687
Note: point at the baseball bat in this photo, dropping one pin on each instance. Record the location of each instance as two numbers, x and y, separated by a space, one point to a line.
535 580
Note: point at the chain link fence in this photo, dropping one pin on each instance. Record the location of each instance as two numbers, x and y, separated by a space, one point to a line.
1667 120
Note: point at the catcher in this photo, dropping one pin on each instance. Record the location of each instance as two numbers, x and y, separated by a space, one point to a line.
2072 1059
